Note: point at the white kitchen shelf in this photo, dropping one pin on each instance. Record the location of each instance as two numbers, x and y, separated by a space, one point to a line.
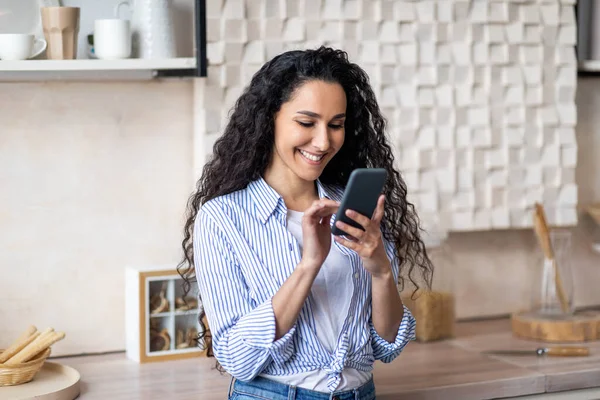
589 66
131 68
97 65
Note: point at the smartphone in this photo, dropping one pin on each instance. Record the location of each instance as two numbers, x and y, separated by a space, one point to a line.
362 192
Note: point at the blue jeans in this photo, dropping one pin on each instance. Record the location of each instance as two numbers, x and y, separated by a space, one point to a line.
265 389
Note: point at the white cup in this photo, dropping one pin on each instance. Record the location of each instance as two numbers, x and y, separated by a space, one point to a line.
112 39
20 46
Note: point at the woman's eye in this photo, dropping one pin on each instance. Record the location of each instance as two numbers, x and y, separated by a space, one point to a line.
311 124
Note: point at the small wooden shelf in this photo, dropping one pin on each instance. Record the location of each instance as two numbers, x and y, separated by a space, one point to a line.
160 288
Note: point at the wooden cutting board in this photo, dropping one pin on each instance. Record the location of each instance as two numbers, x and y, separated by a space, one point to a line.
54 381
580 327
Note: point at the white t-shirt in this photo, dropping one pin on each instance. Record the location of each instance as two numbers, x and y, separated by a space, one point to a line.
330 299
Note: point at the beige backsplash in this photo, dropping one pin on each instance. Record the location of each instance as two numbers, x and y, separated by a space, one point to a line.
496 271
94 176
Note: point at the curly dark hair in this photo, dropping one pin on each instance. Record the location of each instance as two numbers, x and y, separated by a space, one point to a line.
244 150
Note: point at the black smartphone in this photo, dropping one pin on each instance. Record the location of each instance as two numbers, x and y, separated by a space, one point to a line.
362 192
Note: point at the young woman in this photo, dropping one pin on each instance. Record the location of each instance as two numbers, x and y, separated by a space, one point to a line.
295 312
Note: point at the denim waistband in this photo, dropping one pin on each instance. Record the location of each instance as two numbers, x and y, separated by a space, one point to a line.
263 388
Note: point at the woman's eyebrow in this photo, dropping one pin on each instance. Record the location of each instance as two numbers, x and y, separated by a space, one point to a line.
315 115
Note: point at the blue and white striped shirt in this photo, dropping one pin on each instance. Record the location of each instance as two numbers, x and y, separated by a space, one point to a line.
243 253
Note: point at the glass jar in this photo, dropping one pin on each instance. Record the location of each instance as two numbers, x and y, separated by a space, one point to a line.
591 224
552 293
434 309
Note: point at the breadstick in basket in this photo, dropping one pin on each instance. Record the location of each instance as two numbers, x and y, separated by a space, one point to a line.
26 337
45 340
32 344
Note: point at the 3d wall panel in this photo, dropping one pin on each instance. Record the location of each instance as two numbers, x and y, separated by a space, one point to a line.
479 94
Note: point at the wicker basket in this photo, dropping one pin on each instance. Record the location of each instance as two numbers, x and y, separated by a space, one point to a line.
434 313
22 373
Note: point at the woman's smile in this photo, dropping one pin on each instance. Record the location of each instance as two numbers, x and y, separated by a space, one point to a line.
311 158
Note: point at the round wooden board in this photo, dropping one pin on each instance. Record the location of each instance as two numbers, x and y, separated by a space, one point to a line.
580 327
54 381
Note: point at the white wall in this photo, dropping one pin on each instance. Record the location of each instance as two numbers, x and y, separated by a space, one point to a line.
95 176
588 165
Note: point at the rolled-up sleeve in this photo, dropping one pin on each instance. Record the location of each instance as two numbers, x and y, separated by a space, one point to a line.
243 332
386 351
382 349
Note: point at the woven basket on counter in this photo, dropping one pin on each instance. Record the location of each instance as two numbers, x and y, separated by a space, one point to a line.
434 308
23 372
434 313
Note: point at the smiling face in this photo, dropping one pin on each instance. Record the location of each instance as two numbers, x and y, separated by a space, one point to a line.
309 131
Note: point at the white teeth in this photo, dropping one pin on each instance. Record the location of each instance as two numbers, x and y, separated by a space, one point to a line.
311 157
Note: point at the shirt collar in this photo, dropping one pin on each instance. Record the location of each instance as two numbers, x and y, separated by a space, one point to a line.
267 200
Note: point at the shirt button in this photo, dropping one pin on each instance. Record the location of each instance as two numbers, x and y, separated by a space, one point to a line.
356 275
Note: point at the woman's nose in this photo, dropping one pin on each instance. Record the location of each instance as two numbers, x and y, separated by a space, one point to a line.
321 138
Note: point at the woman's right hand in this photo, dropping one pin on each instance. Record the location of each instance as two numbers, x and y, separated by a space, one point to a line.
316 232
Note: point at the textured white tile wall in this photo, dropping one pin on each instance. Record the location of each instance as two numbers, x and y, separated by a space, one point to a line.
479 94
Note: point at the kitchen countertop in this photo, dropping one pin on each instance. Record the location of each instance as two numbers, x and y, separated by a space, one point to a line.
451 369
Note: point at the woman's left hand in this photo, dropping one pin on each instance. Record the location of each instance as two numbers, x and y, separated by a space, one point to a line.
368 243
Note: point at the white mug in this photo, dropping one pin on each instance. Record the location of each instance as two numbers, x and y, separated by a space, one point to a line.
112 39
20 46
